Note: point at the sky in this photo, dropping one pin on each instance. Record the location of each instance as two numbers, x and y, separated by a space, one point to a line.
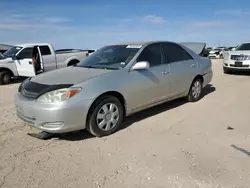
96 23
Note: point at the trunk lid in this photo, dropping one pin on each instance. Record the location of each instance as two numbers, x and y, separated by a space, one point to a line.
196 47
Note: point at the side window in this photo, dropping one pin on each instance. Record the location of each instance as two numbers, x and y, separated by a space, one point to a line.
26 53
45 50
152 54
174 53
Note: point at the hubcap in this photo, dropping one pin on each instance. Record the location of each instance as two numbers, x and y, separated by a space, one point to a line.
196 89
107 117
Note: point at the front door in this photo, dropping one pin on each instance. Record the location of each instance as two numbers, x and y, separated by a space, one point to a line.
24 63
152 85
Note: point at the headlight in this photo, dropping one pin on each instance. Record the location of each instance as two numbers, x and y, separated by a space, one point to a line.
58 95
226 56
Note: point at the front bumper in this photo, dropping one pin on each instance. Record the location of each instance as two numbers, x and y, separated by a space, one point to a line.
231 65
53 118
237 69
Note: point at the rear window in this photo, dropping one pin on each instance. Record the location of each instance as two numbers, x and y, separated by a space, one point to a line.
45 50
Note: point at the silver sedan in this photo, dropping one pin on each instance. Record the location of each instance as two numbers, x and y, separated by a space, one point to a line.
114 82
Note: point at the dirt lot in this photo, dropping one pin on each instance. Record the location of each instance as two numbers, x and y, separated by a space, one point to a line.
177 144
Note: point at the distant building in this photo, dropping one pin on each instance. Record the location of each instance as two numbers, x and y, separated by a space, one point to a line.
4 47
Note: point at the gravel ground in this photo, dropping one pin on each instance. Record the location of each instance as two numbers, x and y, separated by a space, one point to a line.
176 144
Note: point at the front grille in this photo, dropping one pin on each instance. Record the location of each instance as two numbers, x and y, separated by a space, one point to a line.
240 57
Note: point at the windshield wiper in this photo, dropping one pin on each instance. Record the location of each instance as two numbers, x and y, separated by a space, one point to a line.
110 68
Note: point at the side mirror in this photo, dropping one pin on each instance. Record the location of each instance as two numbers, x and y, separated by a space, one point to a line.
140 65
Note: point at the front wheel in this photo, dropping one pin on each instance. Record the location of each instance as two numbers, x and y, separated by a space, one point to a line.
5 77
195 91
105 116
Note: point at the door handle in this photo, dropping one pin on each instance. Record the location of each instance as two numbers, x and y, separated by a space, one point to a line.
192 66
30 62
165 72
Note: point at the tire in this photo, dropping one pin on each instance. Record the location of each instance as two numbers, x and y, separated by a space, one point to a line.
195 96
97 109
5 77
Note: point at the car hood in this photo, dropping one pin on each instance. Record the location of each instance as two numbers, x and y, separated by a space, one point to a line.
235 52
68 75
6 60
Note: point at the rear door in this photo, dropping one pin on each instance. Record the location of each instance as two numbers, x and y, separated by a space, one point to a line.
24 63
183 68
48 58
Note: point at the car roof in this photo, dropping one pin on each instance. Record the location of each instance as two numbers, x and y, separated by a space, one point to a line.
139 42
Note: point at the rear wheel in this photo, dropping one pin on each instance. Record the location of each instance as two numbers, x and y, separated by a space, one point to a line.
105 116
5 77
73 62
195 91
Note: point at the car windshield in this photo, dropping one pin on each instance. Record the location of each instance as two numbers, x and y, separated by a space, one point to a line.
111 57
245 46
12 51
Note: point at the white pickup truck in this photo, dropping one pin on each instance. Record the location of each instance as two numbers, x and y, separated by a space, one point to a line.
30 59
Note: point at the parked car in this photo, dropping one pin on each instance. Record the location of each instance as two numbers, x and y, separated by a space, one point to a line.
237 60
31 59
217 53
114 82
